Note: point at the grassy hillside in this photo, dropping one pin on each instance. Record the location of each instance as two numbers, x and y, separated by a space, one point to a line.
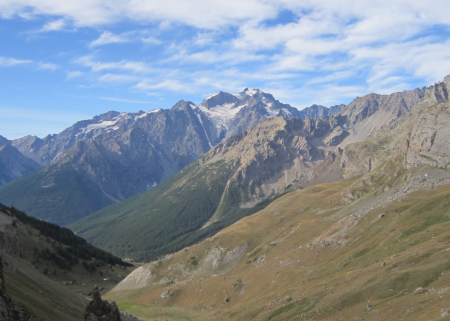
49 271
369 248
64 197
168 217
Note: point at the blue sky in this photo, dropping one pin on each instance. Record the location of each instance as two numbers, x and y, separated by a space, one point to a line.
62 62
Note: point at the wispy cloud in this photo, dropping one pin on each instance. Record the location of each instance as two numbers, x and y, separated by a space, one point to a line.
74 74
124 100
48 66
8 62
133 66
151 40
326 52
167 85
115 78
108 37
55 25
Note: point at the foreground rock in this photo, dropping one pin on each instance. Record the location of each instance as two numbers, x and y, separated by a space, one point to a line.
99 310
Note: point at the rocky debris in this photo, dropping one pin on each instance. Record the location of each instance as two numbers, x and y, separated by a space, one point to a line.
165 294
445 312
139 278
419 290
8 310
99 310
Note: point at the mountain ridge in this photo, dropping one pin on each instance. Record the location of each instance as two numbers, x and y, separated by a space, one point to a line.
116 155
246 169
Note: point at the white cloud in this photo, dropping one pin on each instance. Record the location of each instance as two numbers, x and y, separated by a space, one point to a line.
170 85
211 14
124 100
151 40
55 25
108 37
8 62
133 66
74 74
115 78
386 43
48 66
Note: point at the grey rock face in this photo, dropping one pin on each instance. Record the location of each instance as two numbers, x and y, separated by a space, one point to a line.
11 244
318 111
14 164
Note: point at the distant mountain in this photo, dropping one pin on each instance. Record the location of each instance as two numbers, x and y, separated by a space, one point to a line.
13 164
114 156
319 111
242 174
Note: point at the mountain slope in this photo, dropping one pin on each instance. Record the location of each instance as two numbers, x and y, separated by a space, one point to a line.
14 164
315 254
253 167
47 267
212 192
114 156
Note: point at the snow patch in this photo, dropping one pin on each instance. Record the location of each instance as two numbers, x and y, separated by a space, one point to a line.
221 115
251 92
147 113
270 111
211 96
288 113
201 122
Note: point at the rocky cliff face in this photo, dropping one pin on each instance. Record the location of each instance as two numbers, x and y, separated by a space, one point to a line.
319 111
13 164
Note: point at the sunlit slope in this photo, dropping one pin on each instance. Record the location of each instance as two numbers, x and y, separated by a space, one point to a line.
374 248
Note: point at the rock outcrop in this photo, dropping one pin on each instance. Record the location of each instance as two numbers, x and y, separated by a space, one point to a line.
11 244
101 310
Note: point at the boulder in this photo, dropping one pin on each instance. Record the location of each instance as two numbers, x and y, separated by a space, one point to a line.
99 310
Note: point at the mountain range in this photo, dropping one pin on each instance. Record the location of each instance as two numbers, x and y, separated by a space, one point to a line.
242 174
278 217
361 235
115 156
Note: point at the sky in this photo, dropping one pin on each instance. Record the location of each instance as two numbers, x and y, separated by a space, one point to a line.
64 61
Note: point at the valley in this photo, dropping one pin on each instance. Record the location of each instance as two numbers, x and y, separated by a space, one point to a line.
224 160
